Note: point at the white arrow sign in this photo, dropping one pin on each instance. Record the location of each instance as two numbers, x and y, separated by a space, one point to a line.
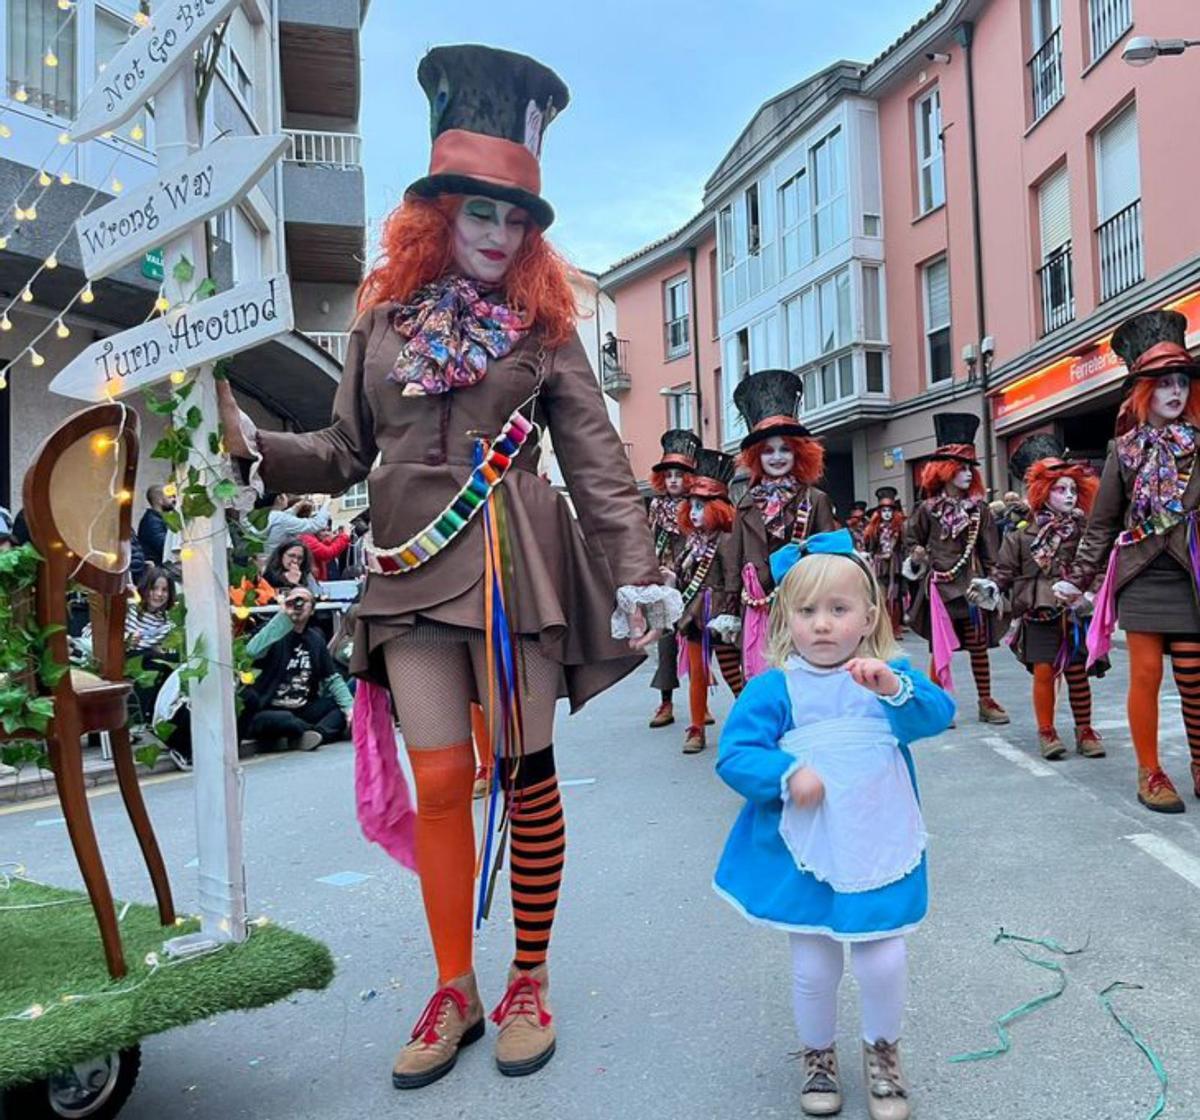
203 185
141 67
186 336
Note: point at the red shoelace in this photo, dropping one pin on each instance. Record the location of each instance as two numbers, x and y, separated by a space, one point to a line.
1158 780
524 997
426 1028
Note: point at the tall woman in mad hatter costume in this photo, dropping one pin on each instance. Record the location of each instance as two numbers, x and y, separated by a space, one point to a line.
669 479
883 540
783 503
1142 534
951 540
482 584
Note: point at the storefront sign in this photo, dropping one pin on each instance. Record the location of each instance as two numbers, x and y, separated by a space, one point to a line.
185 337
1075 375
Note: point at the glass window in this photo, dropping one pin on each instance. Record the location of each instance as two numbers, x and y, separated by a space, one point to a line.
812 391
845 329
937 321
828 382
831 215
930 169
795 333
874 371
728 256
355 497
753 220
846 375
679 408
872 304
38 29
677 317
795 226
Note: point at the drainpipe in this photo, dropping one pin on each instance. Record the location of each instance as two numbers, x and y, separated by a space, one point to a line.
964 35
696 343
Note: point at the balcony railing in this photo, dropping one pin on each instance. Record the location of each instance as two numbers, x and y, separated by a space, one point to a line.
1108 21
1058 291
333 343
1046 75
614 366
1120 245
339 150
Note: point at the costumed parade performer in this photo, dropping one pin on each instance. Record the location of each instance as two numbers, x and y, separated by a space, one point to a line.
1142 534
856 522
710 598
669 479
950 540
482 584
883 541
830 846
1050 638
782 504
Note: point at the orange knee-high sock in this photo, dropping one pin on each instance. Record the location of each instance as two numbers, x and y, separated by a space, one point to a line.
483 739
1079 692
1043 695
1185 664
445 843
1145 677
697 683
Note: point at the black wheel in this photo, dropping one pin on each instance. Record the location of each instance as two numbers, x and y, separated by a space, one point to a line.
93 1090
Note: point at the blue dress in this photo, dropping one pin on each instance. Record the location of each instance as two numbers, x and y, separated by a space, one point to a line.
757 873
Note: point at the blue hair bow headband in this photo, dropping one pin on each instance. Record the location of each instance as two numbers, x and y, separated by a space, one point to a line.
839 542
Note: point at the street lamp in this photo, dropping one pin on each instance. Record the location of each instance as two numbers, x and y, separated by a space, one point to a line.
1142 50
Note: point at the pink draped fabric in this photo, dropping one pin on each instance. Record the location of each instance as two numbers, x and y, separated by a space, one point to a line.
681 657
754 626
943 638
1104 616
385 808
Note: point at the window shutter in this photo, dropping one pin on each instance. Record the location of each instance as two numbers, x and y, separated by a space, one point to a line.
1054 212
1117 165
937 291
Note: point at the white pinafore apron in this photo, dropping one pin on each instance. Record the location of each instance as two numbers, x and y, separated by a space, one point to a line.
867 831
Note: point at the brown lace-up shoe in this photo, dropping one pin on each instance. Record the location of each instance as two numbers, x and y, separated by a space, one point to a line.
1088 742
526 1040
887 1091
1196 778
664 715
821 1093
693 740
991 712
1156 792
452 1019
1052 747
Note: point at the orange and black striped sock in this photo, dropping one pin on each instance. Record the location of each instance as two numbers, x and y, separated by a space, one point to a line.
1079 692
975 639
729 658
1185 664
537 851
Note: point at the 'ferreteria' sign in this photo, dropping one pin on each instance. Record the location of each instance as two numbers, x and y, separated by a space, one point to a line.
186 336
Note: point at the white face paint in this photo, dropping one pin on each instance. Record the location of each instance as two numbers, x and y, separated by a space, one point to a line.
675 482
697 513
487 235
1169 398
1064 496
962 479
885 514
777 457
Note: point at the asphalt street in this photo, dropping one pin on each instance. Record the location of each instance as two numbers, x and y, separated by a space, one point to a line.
670 1005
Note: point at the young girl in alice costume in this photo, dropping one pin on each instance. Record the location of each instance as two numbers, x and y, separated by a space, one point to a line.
830 846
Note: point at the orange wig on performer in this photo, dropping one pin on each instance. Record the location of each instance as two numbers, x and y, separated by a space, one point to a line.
1042 475
935 476
807 469
871 533
1135 408
658 480
417 250
718 517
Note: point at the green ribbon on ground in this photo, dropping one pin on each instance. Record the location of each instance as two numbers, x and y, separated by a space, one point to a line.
1159 1071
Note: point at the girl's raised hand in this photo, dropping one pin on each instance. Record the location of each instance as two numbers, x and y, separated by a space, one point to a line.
874 674
806 788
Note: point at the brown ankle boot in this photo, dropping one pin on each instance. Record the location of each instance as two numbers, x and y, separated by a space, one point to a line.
1088 742
821 1092
991 712
452 1019
1053 748
664 715
526 1040
887 1091
1156 792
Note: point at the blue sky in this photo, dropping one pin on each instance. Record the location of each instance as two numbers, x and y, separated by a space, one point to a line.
660 89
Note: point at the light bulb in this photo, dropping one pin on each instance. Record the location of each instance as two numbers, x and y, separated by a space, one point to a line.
178 377
117 186
36 1011
3 242
186 554
64 137
51 262
51 59
125 496
137 132
106 135
36 358
5 323
3 382
22 94
62 330
31 214
169 490
65 179
86 296
19 213
246 677
111 557
243 613
162 304
64 5
26 294
5 131
141 19
44 179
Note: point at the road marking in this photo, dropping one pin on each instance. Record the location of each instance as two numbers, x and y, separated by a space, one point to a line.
1005 749
577 782
1111 724
49 822
1169 854
344 879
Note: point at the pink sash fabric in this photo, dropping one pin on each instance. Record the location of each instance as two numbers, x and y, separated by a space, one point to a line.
754 627
1104 615
681 657
944 640
385 809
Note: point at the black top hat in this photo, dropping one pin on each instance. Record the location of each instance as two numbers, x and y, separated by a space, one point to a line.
955 434
859 504
489 110
1141 333
714 473
769 402
887 493
679 450
1042 445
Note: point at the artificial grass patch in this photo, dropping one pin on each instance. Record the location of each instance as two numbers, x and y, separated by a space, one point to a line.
53 952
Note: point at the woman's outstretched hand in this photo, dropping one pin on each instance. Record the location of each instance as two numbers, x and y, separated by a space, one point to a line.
874 674
231 422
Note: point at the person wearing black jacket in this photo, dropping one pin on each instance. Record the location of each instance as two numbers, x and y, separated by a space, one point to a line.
152 529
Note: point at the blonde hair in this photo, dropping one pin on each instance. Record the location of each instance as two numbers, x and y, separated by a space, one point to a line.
811 577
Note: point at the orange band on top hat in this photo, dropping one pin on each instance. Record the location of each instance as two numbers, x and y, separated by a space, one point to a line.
1162 355
490 158
706 487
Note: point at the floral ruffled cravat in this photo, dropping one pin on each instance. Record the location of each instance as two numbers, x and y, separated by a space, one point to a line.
1052 530
1154 455
450 333
772 496
664 513
953 515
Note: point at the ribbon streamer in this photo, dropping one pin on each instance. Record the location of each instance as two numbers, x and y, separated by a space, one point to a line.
1159 1071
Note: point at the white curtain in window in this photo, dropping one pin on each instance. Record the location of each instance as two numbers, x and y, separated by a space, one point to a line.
33 29
937 295
1117 168
1054 212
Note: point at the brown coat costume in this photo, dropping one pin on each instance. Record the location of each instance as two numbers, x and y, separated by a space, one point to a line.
723 598
564 571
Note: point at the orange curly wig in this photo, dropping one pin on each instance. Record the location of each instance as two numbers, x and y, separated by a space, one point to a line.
658 480
718 516
416 249
871 532
1135 408
1041 477
807 469
936 474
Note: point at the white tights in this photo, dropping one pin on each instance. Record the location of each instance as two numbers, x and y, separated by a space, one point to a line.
881 969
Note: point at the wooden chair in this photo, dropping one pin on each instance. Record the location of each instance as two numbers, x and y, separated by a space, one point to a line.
83 533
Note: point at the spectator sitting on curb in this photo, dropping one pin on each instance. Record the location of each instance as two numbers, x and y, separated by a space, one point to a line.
298 700
290 518
325 547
